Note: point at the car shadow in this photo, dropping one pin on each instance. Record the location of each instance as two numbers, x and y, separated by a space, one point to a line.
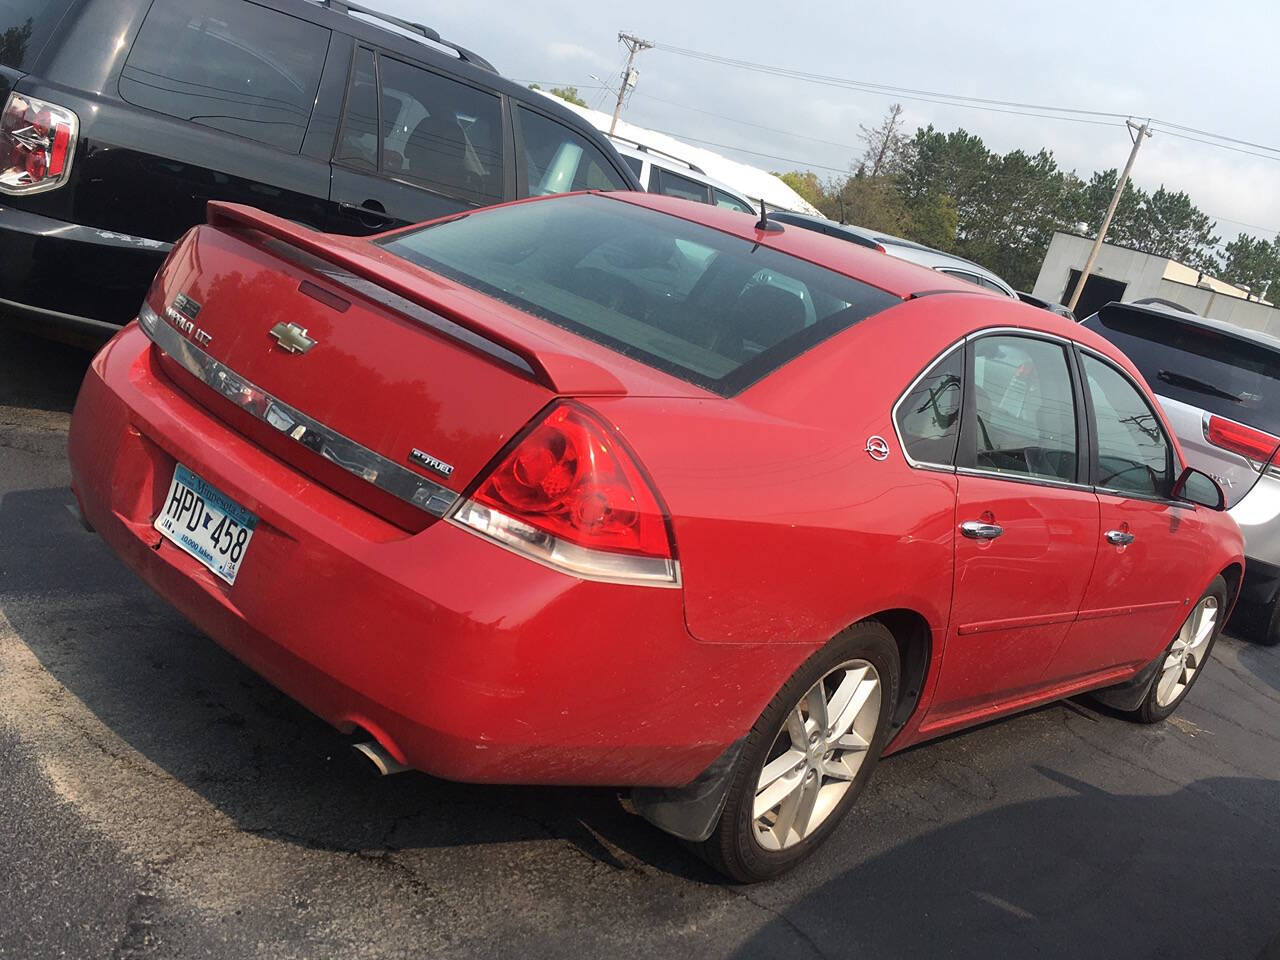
1084 873
1262 662
193 710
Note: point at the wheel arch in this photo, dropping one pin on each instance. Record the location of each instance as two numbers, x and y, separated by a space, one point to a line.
1233 574
911 632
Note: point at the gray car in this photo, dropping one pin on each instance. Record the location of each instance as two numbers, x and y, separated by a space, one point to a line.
1220 388
903 249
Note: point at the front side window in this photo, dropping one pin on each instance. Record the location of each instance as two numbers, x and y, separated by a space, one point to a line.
1134 455
560 160
1024 419
729 202
439 133
711 308
928 416
230 65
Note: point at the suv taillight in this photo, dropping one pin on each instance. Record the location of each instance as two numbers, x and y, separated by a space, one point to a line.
568 494
37 143
1249 442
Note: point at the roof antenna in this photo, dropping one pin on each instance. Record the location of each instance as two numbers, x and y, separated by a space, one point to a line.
765 224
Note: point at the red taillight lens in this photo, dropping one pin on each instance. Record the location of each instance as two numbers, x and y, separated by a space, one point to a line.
570 495
1249 442
37 141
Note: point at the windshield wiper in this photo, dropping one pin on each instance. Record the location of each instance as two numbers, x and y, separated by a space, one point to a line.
1191 383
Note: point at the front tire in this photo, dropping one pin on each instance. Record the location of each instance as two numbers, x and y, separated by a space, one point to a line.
1184 659
808 756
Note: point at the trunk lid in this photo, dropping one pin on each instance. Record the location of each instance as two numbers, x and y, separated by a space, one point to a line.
404 392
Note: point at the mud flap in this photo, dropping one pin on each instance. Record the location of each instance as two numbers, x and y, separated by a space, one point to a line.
1128 696
690 812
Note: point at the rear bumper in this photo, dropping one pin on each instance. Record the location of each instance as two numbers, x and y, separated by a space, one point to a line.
1258 516
465 660
55 274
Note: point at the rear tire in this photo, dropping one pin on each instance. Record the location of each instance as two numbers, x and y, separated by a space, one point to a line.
1269 633
799 773
1184 659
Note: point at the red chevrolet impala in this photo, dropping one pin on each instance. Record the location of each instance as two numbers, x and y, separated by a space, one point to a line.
618 489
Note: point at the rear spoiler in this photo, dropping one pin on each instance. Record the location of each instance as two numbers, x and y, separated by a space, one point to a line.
395 284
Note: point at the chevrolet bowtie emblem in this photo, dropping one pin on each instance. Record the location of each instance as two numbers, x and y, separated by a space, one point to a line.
292 337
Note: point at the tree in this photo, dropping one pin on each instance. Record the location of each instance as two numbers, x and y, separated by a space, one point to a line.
1169 225
13 44
1254 263
805 183
871 202
887 145
570 94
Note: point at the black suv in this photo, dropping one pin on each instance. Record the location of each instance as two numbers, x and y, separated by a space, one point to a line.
121 118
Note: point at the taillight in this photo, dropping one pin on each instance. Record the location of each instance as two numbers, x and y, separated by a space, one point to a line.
1250 442
569 495
37 143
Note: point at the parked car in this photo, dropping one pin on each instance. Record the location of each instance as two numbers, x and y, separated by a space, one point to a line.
672 177
326 114
947 263
1220 388
621 489
1049 305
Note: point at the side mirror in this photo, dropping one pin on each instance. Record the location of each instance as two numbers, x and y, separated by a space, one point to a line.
1199 488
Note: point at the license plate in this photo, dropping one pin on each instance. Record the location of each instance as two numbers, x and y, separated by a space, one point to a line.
206 523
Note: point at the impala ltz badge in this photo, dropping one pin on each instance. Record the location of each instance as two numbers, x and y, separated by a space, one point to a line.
292 337
182 314
878 449
430 462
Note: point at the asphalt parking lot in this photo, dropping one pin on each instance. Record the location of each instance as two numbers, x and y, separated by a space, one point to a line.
159 800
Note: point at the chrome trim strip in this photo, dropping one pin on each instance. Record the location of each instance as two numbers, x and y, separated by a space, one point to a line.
1024 478
356 459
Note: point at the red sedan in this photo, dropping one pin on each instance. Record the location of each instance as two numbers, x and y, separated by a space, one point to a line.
617 489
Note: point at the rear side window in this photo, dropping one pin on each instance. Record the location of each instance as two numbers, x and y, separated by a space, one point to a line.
637 167
25 27
928 416
705 306
673 185
728 202
358 144
228 64
1024 406
560 160
1206 368
439 133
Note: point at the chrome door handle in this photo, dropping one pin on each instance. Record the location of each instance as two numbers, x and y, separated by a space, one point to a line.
977 530
1119 537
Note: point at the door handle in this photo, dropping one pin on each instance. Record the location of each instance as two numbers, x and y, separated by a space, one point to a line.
977 530
1119 537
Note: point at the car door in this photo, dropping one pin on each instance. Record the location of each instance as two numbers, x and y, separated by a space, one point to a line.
1149 545
1027 524
415 145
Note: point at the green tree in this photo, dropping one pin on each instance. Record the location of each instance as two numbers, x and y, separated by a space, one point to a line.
13 44
888 146
570 94
1168 224
1255 263
805 183
871 202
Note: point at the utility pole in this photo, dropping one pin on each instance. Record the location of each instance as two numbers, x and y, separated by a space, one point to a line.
634 46
1137 134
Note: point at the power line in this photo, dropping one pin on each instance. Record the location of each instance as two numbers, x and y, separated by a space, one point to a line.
1209 143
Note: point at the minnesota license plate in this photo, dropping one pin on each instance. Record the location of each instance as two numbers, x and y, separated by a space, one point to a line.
206 523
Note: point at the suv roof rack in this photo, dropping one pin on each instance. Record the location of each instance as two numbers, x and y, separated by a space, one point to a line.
645 148
346 6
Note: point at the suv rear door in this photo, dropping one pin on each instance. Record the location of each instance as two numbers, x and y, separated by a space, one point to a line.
416 144
1198 372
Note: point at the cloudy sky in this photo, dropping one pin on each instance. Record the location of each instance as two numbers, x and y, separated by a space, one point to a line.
1186 63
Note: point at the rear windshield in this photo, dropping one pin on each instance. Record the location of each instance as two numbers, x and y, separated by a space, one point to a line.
1215 371
25 27
710 308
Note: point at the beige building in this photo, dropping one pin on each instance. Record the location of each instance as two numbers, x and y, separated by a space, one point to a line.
1120 273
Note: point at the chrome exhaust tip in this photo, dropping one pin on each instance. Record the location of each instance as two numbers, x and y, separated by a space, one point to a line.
380 757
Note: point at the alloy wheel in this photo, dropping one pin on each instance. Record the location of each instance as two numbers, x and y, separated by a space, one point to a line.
1186 655
816 755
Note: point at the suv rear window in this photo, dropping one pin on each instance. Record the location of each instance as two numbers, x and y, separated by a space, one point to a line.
708 307
25 27
228 64
1229 376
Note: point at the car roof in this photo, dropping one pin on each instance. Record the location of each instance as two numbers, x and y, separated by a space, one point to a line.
898 277
1156 309
676 165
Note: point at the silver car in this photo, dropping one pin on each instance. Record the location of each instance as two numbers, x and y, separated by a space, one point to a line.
1220 388
947 263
